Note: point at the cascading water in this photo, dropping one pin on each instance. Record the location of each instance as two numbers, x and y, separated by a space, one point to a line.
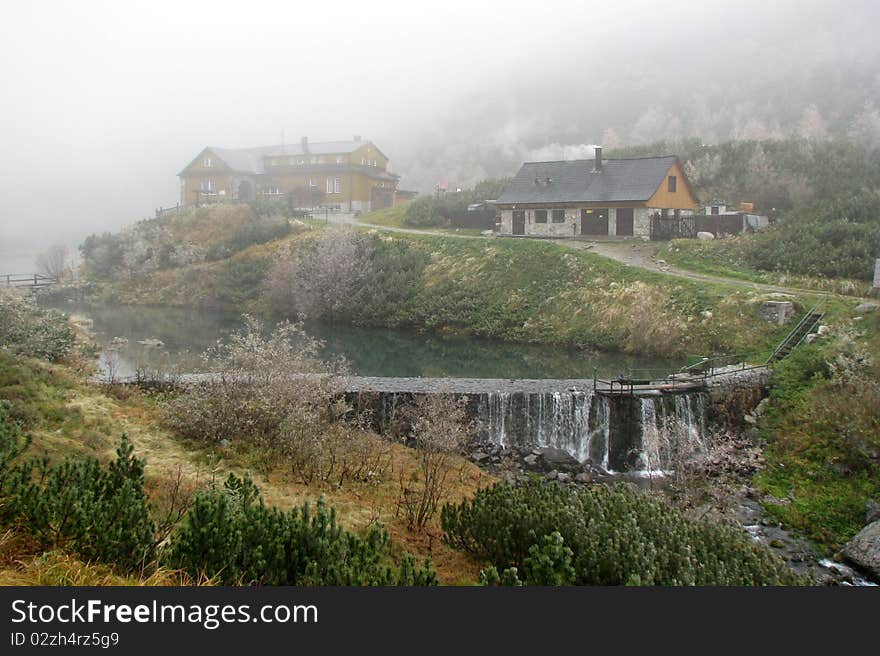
615 433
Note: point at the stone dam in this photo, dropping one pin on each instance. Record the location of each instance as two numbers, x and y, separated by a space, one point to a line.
622 428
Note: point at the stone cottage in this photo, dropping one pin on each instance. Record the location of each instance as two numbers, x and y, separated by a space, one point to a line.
597 197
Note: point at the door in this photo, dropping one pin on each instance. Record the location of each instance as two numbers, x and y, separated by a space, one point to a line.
594 222
624 222
519 222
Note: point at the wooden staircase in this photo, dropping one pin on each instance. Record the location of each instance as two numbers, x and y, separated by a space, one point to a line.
798 334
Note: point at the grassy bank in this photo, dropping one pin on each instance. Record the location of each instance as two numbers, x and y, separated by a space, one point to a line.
822 431
67 418
517 290
730 258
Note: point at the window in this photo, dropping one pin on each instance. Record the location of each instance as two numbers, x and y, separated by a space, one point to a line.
329 185
558 216
272 191
671 183
208 163
291 161
540 216
301 162
312 184
715 210
337 186
208 185
339 160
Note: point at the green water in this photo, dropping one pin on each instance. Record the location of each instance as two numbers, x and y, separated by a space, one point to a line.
186 332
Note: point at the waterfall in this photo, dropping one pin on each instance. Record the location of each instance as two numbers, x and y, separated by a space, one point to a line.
493 412
616 433
651 458
599 440
563 420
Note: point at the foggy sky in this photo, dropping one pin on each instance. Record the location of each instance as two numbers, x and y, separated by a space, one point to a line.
105 102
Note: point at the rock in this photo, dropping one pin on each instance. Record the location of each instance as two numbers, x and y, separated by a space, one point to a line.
583 478
559 460
705 235
488 233
751 419
778 312
760 408
152 342
864 549
872 512
479 456
531 460
823 330
562 477
551 476
867 307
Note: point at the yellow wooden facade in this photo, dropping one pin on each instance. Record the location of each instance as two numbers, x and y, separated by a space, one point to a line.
351 176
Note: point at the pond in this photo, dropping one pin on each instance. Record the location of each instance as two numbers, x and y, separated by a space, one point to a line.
185 333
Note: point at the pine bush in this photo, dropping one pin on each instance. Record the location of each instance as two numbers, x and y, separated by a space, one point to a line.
99 513
231 536
617 536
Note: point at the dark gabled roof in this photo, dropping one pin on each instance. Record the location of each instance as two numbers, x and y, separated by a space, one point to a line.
250 160
576 181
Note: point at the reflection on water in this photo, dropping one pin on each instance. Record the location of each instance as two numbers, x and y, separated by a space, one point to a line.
187 332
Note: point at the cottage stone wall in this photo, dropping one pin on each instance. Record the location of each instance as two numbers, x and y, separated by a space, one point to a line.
572 225
642 221
569 228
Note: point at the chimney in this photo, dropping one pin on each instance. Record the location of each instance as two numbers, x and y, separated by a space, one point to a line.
304 143
597 162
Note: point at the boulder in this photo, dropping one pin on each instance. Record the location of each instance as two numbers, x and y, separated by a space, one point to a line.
864 549
705 235
778 312
867 307
557 459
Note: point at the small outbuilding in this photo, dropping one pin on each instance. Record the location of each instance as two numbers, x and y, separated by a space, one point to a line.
597 197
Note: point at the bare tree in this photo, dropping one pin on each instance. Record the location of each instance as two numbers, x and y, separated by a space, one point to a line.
440 430
53 262
315 280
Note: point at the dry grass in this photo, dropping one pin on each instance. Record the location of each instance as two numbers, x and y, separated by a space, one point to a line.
100 418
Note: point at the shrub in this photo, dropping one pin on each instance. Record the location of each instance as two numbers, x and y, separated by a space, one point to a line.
231 536
548 564
99 513
345 274
439 431
617 536
240 280
275 393
26 329
429 211
253 232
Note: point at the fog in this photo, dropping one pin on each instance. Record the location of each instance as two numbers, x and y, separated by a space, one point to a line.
105 102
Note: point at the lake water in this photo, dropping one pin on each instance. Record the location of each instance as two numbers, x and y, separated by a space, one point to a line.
186 332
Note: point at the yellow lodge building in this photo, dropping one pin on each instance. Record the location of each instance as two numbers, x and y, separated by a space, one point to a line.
351 176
